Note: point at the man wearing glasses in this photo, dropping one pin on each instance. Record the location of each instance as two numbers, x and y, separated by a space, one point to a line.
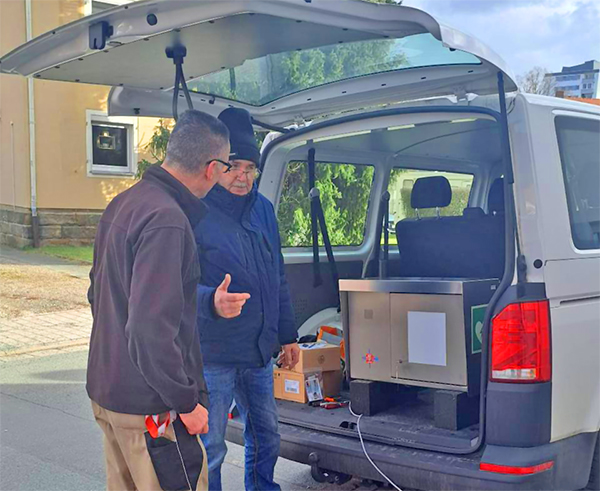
144 372
240 251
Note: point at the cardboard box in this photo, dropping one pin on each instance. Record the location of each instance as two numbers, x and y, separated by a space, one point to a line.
291 386
318 356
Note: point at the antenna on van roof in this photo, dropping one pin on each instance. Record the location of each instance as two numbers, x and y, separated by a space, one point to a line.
177 53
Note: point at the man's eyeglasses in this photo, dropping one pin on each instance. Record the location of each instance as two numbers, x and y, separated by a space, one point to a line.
227 165
250 172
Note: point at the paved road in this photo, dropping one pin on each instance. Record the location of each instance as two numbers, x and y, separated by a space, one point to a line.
50 442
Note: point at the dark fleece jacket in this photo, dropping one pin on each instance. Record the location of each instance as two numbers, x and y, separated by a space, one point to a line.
145 353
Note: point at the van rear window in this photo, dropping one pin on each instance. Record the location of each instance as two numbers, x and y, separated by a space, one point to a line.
268 78
579 144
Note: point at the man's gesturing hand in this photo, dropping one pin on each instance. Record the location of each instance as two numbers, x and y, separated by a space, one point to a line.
196 422
229 305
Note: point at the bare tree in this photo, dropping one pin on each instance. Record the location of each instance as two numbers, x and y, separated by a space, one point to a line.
536 82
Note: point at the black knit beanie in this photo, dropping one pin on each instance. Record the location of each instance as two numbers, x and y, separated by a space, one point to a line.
241 135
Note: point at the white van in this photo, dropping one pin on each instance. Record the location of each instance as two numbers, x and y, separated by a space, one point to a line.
486 186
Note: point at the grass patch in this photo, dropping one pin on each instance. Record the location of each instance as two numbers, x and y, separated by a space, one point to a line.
392 239
80 254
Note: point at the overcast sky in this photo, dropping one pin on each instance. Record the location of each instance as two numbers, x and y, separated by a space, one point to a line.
526 33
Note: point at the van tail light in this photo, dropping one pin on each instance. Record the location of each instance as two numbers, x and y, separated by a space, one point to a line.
518 471
521 343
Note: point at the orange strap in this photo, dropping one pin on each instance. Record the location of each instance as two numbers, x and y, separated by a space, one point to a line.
156 427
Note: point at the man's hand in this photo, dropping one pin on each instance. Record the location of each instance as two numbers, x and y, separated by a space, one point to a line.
290 355
196 422
229 305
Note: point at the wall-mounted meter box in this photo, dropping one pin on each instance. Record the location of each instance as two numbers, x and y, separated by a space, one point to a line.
425 332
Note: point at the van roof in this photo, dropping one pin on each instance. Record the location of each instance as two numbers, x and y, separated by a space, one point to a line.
560 103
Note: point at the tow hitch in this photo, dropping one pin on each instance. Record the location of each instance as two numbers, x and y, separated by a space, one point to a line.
323 475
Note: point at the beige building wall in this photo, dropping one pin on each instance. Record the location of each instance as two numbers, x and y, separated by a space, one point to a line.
63 182
14 132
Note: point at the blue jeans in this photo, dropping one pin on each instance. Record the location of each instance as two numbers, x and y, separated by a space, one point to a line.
252 389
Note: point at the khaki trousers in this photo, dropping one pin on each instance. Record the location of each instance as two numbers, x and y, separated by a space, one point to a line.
128 464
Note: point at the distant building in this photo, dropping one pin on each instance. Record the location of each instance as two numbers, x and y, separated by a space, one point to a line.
577 81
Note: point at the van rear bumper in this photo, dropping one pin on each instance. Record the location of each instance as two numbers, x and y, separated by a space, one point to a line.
418 469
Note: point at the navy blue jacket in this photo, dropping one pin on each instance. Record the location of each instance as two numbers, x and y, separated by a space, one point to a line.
239 235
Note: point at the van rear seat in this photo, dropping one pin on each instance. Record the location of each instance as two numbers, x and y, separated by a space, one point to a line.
470 246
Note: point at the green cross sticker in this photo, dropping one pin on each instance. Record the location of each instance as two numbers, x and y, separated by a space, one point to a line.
477 319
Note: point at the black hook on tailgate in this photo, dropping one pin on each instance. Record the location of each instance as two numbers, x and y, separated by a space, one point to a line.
177 53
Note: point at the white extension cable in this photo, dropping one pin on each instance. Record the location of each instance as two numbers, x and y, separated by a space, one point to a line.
362 442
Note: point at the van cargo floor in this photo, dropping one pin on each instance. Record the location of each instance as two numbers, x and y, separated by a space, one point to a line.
407 424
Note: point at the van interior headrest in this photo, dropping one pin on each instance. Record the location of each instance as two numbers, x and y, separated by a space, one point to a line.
496 197
431 192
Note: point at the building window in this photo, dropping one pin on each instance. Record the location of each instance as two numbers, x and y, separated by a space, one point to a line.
111 145
565 78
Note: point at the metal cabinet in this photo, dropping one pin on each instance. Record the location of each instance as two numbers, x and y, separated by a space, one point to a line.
422 332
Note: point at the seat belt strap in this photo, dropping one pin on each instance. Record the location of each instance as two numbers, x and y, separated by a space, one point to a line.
317 279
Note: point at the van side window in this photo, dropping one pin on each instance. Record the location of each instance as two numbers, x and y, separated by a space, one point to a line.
579 144
345 191
402 182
